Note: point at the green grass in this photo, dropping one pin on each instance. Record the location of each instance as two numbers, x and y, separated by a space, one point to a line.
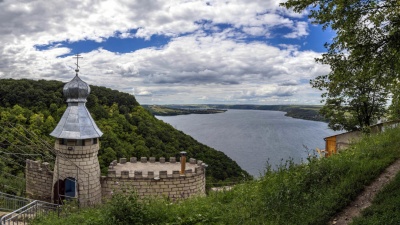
385 207
310 193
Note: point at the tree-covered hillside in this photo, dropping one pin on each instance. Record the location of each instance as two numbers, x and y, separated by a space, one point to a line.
129 130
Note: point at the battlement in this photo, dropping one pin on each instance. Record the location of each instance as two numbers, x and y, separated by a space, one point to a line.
155 178
151 169
38 166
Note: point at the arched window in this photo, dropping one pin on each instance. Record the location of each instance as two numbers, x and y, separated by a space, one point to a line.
70 187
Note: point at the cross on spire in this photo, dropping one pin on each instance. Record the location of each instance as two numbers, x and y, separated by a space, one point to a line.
77 56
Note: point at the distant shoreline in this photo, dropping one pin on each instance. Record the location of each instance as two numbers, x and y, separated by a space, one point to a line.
305 112
158 110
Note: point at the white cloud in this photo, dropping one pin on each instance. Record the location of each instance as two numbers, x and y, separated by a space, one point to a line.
300 30
210 62
143 93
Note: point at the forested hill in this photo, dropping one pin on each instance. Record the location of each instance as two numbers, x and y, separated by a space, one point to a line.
129 130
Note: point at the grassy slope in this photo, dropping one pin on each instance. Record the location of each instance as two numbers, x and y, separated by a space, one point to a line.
295 194
385 207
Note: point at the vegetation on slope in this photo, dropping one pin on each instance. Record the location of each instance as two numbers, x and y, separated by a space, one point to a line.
384 208
310 193
129 130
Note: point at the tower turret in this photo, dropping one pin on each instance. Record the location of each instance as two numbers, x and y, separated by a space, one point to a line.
77 170
76 123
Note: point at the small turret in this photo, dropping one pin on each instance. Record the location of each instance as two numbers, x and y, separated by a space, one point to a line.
77 169
76 122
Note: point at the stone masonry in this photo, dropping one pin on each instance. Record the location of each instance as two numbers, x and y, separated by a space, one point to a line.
86 171
165 180
39 178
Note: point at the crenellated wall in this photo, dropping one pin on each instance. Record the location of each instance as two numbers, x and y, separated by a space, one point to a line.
165 181
147 177
39 178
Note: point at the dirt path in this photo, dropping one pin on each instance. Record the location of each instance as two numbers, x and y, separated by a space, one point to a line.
365 198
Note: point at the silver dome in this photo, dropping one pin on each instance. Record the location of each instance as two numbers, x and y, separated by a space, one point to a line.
76 90
76 122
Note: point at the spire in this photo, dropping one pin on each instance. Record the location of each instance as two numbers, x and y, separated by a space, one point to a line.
76 90
77 56
76 122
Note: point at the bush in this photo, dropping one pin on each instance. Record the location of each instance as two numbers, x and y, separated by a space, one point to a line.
125 209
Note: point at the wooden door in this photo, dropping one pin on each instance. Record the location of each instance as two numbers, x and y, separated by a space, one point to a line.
330 146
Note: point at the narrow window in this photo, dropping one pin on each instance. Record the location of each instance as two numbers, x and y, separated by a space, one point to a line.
71 142
70 188
62 141
94 141
79 142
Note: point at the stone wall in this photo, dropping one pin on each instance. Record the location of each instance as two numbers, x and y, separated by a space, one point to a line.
156 183
163 183
39 178
344 140
82 164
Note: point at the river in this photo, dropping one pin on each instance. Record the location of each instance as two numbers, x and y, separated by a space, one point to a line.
254 137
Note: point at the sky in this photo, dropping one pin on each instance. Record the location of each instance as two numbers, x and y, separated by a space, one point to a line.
168 51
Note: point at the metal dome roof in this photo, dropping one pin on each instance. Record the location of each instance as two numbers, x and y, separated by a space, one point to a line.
76 122
76 90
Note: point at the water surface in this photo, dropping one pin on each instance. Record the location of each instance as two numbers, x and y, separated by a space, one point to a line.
254 137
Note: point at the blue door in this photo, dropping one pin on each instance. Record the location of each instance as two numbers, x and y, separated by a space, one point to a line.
70 187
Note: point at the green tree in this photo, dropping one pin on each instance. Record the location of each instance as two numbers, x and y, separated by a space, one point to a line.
355 98
363 57
36 123
49 125
366 30
394 109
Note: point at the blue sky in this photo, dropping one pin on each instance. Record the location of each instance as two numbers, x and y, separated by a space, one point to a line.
168 51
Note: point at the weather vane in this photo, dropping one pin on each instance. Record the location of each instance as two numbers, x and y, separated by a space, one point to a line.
77 56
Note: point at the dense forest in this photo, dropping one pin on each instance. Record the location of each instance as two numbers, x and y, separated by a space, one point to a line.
129 129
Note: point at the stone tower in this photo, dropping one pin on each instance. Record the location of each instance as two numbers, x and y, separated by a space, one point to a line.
76 170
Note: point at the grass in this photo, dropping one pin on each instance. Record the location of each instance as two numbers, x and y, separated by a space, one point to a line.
385 207
310 193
